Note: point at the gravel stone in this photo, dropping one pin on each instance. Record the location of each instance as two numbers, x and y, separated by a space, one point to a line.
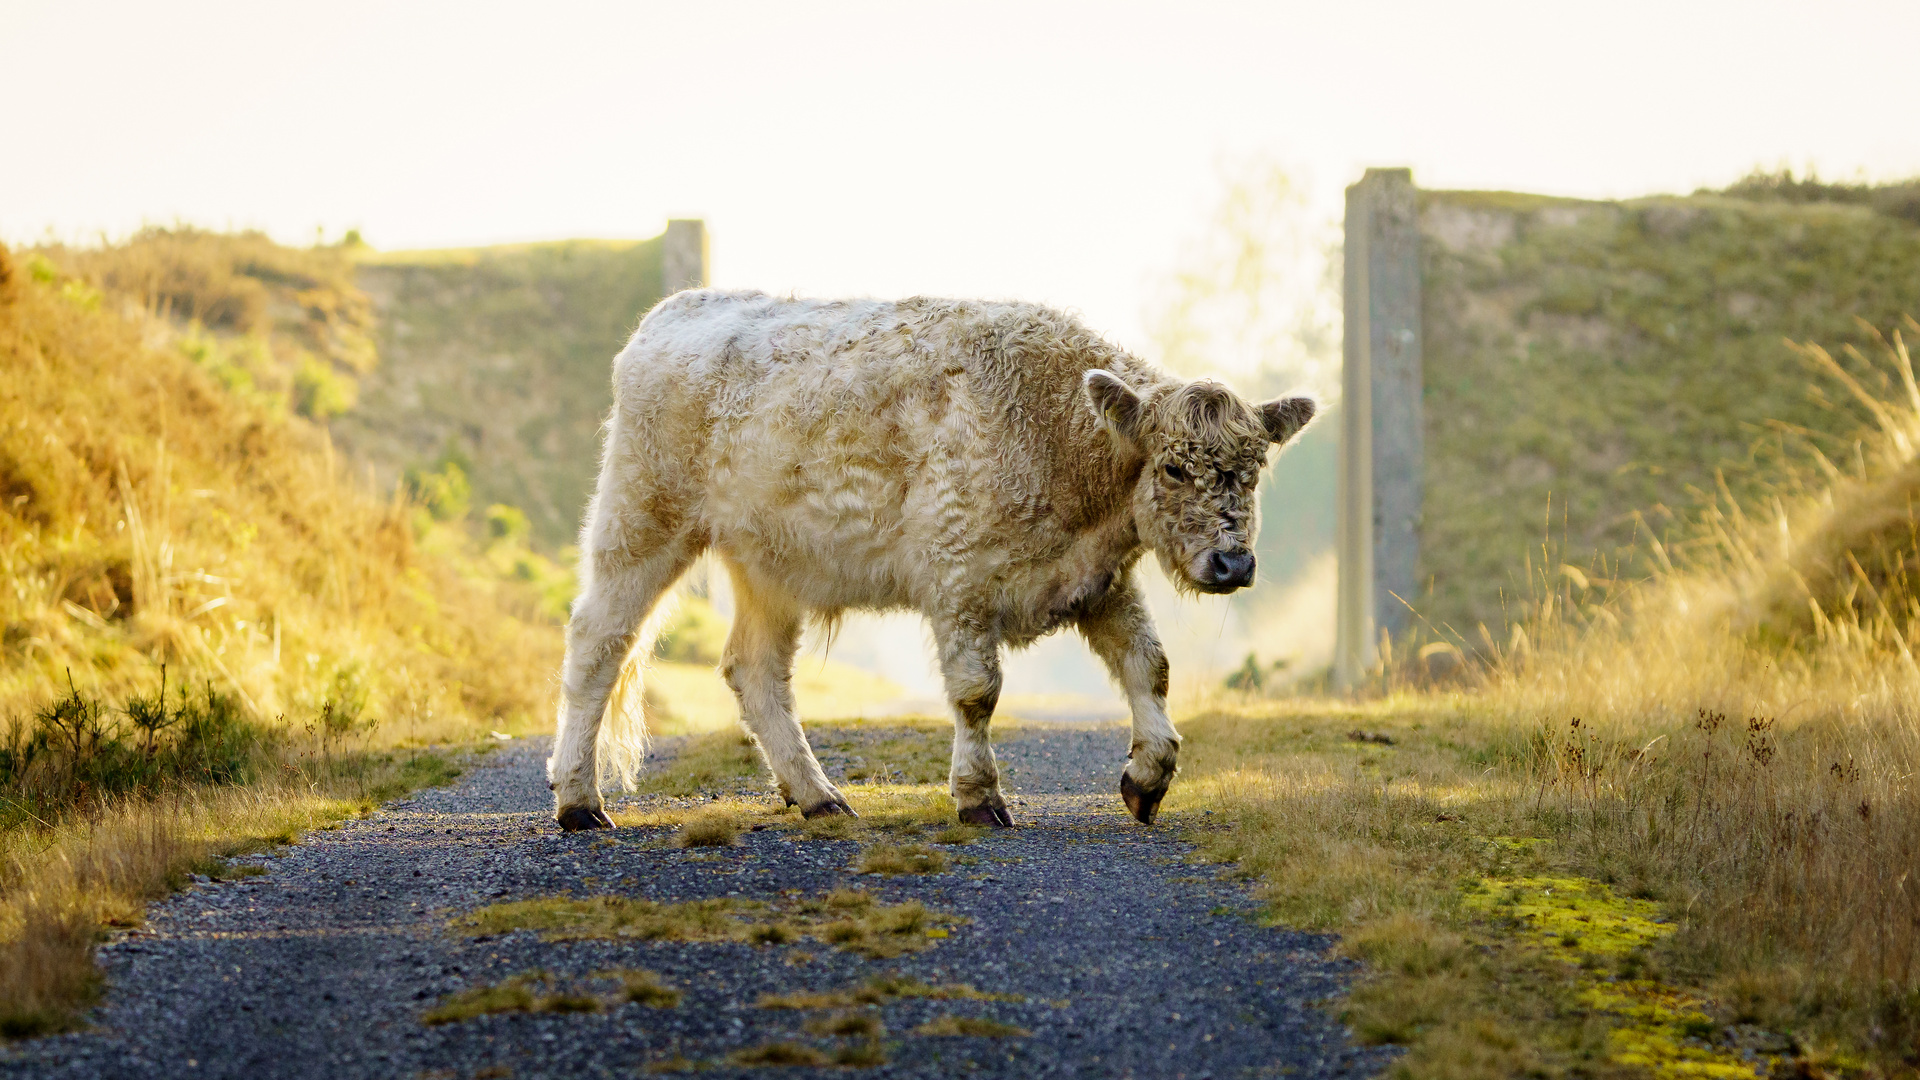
1134 962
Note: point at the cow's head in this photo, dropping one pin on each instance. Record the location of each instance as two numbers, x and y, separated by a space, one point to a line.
1204 447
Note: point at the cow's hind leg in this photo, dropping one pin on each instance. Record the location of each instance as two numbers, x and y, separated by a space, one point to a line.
970 663
758 665
624 578
1121 632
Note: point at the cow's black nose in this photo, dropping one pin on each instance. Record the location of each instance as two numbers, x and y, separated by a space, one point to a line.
1231 569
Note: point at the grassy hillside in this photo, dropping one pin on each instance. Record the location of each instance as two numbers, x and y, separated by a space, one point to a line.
1594 370
162 505
1671 833
198 600
497 361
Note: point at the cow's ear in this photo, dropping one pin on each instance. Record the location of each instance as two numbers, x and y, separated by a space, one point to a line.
1118 408
1284 417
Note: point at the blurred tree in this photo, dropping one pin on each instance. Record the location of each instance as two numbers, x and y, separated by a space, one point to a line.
1255 297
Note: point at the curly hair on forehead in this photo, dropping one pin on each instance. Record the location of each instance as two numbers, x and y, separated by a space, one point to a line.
1205 411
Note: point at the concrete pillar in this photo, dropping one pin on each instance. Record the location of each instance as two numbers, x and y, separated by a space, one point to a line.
683 256
1381 424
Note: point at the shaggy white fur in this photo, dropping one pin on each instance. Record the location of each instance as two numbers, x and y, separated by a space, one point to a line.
994 466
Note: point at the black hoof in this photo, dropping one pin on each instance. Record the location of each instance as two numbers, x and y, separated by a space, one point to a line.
828 809
579 818
1141 803
993 815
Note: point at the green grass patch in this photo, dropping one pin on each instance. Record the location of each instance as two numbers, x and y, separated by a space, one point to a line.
892 859
880 990
779 1054
887 751
717 761
888 812
643 987
532 991
857 1024
542 991
960 834
970 1026
848 919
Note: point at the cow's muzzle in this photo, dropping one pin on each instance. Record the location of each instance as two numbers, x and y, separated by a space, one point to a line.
1223 571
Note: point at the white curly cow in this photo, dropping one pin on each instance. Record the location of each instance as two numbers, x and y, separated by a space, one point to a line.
996 467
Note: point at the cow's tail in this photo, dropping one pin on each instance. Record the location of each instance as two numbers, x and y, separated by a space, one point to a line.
622 744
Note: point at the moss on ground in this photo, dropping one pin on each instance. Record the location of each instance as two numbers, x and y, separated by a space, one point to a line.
1599 935
1582 916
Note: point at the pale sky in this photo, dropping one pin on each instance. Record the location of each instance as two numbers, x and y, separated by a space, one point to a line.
1052 152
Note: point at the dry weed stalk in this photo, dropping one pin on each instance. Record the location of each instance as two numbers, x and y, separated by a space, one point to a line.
1750 735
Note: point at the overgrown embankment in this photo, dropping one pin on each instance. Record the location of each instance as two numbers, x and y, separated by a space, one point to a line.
167 504
1592 369
496 360
1670 831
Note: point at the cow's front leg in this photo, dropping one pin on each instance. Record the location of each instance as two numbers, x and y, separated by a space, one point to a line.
970 662
1121 632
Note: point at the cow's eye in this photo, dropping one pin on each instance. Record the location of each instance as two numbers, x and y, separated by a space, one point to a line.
1176 474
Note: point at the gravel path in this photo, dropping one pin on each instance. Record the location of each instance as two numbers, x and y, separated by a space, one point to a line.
1131 961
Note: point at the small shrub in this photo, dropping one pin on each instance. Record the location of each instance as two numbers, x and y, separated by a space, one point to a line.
76 752
320 392
443 490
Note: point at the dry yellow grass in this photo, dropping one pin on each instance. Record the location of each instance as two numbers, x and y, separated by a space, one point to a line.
710 828
164 501
1733 739
67 882
149 515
